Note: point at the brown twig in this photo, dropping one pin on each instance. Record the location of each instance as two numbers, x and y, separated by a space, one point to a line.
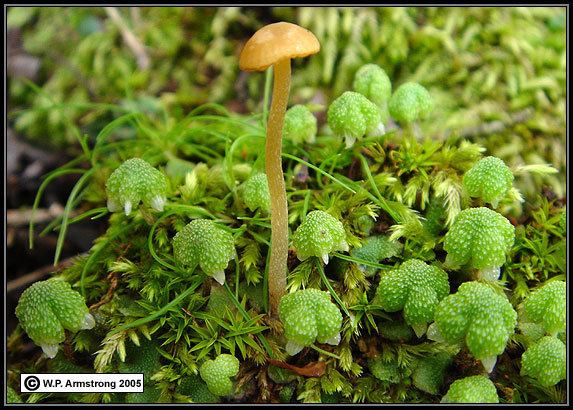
130 39
314 369
22 217
112 277
40 273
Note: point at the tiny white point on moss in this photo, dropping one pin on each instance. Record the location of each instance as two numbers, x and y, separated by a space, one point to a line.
293 348
489 363
349 141
50 350
219 276
334 340
420 329
490 274
157 203
112 206
433 333
88 322
127 208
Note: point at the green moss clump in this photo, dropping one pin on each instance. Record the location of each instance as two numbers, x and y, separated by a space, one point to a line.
545 361
489 179
309 315
473 389
48 308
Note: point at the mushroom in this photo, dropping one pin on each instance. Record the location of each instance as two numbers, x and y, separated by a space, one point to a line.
274 45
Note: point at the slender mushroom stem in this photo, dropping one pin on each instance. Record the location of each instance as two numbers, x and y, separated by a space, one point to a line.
277 190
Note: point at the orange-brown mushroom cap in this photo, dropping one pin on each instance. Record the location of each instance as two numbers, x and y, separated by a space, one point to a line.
276 42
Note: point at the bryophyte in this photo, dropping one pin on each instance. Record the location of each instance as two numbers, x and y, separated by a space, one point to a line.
416 288
409 103
472 389
429 372
547 306
479 316
374 249
300 125
141 359
479 238
255 193
194 387
133 182
352 116
319 235
217 374
372 82
489 179
545 361
202 243
48 308
309 315
386 371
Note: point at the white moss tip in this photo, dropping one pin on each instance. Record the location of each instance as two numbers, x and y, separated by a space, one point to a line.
325 258
349 141
433 333
88 322
50 350
158 202
490 274
127 208
293 348
378 131
334 340
112 206
219 276
420 329
489 363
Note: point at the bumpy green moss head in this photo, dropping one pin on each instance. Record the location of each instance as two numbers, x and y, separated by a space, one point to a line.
545 361
255 193
473 389
375 249
429 373
319 235
134 181
489 179
480 238
300 125
352 116
372 82
217 373
415 287
409 103
548 307
201 242
309 315
49 307
482 317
